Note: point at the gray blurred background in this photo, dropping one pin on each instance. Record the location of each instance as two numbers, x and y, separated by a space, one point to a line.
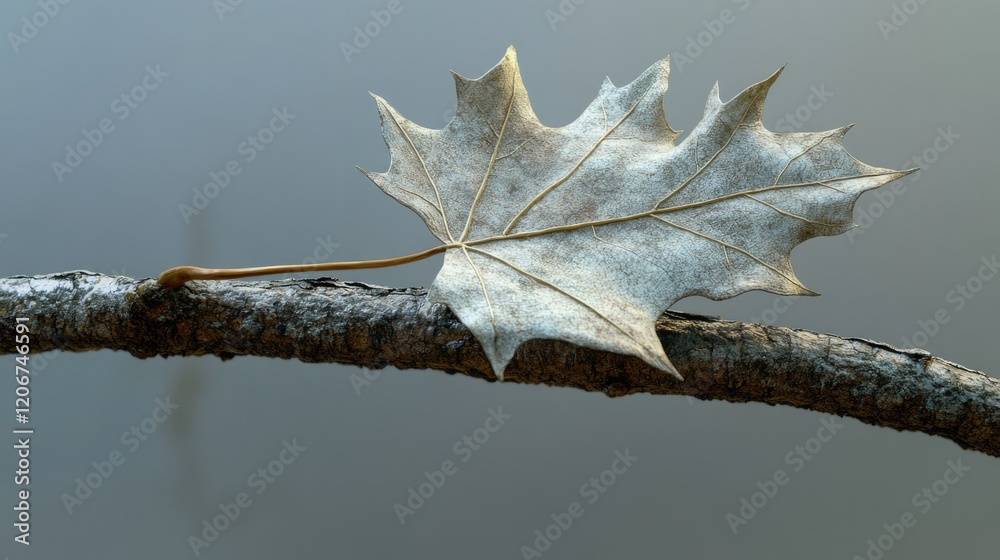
919 79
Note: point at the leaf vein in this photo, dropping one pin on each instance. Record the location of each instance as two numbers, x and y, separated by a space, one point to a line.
493 158
735 248
427 173
552 286
729 141
576 167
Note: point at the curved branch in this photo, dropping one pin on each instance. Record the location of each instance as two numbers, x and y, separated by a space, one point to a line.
327 320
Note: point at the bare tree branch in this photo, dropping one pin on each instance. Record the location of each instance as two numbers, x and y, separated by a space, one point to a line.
327 320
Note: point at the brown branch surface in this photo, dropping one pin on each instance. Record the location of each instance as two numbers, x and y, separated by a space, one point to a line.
328 320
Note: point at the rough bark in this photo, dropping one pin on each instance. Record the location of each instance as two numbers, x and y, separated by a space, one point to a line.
328 320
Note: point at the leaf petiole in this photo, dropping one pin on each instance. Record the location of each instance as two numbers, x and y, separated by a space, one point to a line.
179 275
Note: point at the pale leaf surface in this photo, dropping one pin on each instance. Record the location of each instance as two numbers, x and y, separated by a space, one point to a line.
588 232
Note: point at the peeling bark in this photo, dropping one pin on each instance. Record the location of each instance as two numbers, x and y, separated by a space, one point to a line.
328 320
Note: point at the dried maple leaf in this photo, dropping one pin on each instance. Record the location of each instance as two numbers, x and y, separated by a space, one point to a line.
588 232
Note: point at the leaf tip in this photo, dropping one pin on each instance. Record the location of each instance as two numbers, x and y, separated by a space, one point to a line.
509 57
748 106
895 175
371 176
379 102
795 288
659 360
714 101
499 366
798 289
766 84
